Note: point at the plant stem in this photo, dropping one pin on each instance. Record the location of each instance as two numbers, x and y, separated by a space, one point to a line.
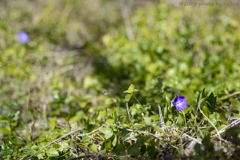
160 114
128 114
185 119
137 100
208 118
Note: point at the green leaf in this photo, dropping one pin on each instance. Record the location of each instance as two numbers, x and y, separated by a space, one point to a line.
221 127
212 101
157 99
64 146
133 150
223 97
128 97
119 149
93 147
107 132
52 152
6 152
27 152
74 126
159 86
142 140
222 115
235 107
114 142
79 115
5 130
206 140
40 156
127 91
151 150
169 123
159 79
181 150
206 111
185 110
181 119
36 148
18 141
214 117
143 149
201 95
198 149
103 151
53 135
165 111
198 100
154 117
147 120
124 132
107 144
235 103
131 89
85 138
110 121
233 134
53 123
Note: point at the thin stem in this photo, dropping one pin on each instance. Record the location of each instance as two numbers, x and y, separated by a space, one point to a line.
162 120
128 114
209 120
160 114
233 94
137 100
234 123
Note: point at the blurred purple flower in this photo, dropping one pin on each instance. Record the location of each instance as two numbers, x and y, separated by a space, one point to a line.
180 102
23 37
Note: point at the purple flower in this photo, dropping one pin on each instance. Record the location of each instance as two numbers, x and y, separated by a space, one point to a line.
23 37
180 103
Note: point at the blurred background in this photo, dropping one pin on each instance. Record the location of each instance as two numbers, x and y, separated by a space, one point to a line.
81 54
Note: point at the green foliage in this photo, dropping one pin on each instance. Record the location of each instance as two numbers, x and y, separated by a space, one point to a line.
186 53
52 86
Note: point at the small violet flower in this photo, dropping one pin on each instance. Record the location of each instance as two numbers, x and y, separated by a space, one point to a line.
23 37
180 102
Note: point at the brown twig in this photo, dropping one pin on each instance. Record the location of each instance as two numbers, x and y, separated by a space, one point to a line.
233 94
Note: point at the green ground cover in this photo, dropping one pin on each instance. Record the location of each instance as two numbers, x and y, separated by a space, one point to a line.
94 75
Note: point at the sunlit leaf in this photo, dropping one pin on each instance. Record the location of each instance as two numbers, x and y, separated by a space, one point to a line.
147 120
52 152
128 97
107 132
94 147
181 119
206 111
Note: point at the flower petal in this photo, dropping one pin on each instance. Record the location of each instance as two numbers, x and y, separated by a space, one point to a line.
181 98
181 106
180 102
175 101
23 37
